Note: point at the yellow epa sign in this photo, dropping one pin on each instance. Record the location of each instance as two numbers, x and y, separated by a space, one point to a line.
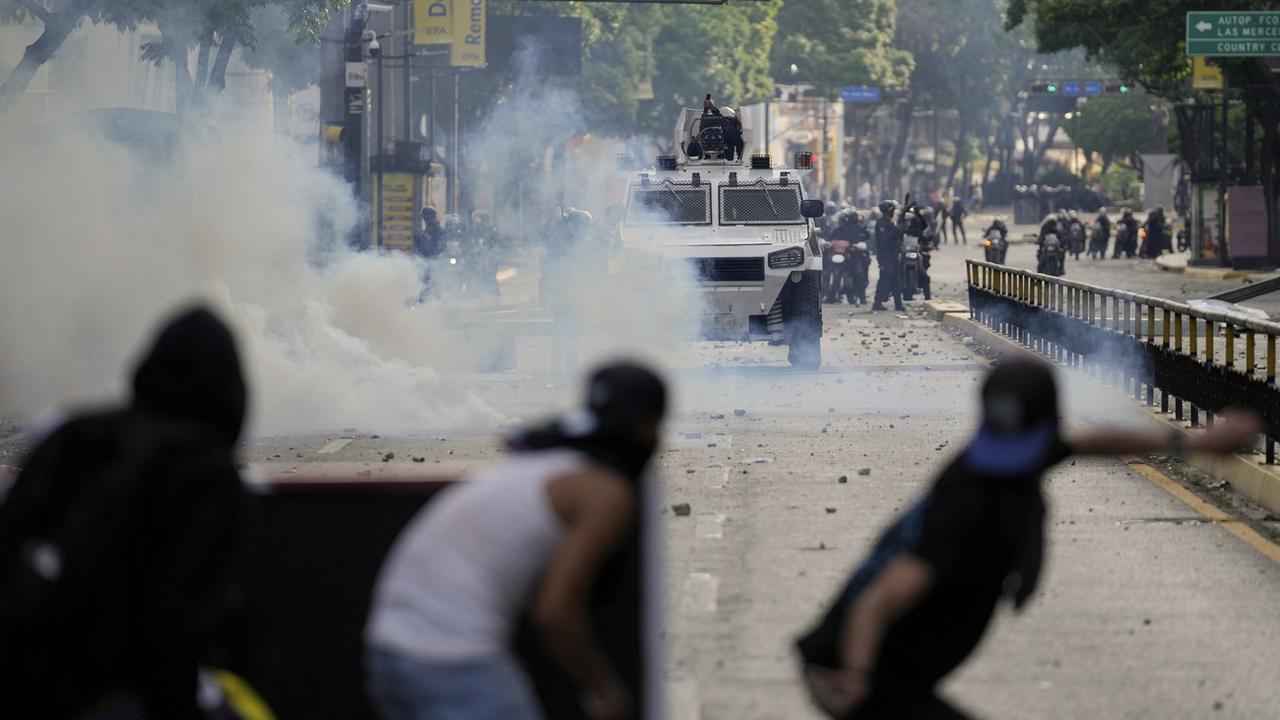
432 22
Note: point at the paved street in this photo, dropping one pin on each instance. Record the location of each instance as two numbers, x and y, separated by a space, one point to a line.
1146 611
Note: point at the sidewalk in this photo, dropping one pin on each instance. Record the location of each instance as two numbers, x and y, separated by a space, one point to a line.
1178 263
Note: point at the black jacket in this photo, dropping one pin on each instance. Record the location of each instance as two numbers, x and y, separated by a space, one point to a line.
888 242
140 505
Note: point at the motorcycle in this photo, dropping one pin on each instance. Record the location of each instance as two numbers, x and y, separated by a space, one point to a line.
1098 241
915 268
995 247
1051 257
838 268
1125 243
466 272
1075 239
1184 240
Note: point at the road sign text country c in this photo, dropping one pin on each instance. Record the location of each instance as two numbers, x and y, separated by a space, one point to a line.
1239 34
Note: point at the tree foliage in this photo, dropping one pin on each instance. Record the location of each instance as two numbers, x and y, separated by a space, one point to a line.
214 28
1145 40
1114 127
839 42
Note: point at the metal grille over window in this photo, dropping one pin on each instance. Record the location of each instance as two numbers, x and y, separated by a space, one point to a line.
670 203
729 269
760 204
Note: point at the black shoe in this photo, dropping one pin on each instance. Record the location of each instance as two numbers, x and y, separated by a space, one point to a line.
878 307
900 307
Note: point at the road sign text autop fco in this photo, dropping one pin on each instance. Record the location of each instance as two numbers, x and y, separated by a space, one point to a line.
1233 34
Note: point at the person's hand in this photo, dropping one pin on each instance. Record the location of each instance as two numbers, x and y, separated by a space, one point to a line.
1231 431
609 702
837 692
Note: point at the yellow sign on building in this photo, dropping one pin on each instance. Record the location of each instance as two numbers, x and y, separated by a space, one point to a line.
469 21
432 22
396 201
1205 76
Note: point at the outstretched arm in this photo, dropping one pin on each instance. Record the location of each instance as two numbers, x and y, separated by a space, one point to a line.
1233 431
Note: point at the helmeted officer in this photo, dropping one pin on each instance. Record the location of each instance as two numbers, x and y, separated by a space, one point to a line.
889 255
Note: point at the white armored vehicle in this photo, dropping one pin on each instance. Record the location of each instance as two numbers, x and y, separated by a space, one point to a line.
744 229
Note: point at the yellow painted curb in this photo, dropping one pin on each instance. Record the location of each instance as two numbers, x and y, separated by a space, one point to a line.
1221 518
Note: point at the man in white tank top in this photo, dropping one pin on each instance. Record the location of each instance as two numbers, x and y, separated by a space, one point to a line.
529 535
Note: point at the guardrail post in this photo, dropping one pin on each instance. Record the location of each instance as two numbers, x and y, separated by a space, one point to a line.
1177 333
1271 380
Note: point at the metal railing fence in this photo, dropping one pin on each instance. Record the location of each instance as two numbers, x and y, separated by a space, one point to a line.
1197 361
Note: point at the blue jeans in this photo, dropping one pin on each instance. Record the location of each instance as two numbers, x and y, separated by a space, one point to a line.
405 688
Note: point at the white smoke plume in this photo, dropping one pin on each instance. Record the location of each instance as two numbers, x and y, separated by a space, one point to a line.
101 242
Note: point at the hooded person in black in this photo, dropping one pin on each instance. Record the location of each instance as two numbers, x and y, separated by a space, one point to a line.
117 536
920 604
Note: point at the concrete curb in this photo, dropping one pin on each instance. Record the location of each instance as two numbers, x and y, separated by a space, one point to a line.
1247 474
1177 263
937 309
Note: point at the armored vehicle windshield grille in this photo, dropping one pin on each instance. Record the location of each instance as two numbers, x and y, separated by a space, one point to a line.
760 204
670 203
729 269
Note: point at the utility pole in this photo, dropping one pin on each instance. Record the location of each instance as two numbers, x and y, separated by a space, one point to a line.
354 95
1223 255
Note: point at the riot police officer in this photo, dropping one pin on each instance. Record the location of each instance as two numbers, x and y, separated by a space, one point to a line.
1130 226
888 254
999 225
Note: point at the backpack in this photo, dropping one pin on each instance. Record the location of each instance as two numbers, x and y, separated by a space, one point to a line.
71 544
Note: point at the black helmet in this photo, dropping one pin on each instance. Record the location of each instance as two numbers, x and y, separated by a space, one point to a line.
888 208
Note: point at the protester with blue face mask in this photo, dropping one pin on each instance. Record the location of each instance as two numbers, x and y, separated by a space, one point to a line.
919 605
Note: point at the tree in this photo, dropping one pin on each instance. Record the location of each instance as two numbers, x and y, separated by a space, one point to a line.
214 28
59 18
719 50
839 42
1114 127
1143 39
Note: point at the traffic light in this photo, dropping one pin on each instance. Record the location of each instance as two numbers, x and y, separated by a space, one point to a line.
1045 88
1119 87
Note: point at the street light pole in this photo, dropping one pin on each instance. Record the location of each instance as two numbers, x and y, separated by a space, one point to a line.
380 153
354 95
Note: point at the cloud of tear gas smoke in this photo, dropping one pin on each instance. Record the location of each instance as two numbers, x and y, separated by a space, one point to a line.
100 244
102 241
1094 395
531 165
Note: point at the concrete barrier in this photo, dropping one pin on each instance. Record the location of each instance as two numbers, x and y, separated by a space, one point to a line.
313 548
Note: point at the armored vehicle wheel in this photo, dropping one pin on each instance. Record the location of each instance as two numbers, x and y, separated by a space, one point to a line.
803 321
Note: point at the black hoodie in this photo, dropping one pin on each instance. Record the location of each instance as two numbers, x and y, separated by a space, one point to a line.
117 536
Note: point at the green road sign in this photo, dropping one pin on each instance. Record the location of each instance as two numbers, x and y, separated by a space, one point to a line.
1233 34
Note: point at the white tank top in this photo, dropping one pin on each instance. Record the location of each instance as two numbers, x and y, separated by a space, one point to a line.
459 575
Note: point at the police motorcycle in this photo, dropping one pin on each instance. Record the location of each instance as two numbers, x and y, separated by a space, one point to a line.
1075 235
845 261
995 247
1126 238
915 254
1098 240
1051 257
